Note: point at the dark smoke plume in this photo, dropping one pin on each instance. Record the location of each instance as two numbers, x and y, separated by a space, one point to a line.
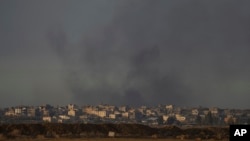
156 52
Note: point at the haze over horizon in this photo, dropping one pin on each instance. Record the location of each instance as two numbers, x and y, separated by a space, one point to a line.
142 52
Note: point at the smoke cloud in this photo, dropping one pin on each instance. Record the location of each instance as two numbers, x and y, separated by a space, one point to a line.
186 53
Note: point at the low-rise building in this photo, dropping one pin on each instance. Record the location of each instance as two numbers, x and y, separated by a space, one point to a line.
215 111
165 118
64 117
123 108
31 112
102 114
125 115
180 118
112 116
169 107
195 112
10 112
18 111
47 119
72 113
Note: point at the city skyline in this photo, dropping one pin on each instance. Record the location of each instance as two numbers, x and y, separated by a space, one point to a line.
104 113
121 105
125 52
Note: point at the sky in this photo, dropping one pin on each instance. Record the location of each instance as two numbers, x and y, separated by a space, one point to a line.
125 52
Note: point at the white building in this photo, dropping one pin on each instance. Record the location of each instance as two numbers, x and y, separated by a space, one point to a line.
72 113
47 119
111 134
71 107
18 111
169 107
64 117
180 118
165 118
195 112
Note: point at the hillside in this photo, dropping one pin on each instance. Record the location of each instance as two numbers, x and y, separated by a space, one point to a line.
49 130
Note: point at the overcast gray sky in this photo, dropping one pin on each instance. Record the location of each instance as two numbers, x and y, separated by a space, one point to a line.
141 52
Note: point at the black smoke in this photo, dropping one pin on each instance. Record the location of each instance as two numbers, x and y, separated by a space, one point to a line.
159 52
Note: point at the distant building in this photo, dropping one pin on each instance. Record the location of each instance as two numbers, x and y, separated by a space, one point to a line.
112 116
72 107
72 110
47 119
169 107
72 113
135 115
205 112
215 111
18 111
64 117
195 112
111 134
125 115
180 118
44 110
165 118
102 114
123 108
95 111
31 112
10 112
